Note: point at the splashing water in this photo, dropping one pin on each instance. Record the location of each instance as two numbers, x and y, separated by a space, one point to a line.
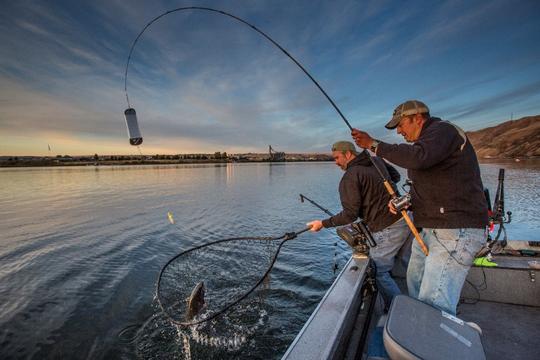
161 339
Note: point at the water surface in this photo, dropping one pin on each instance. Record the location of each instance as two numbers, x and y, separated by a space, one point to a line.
81 248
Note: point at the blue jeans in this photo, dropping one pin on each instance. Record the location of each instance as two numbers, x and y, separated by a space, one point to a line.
390 241
438 278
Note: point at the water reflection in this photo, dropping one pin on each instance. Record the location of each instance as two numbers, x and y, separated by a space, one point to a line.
230 173
81 248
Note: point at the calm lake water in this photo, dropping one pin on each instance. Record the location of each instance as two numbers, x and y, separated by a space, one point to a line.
81 249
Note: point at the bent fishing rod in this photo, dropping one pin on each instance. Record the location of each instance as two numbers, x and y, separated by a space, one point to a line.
136 139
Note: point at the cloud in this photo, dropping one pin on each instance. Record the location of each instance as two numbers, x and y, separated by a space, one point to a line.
28 111
445 26
493 103
202 78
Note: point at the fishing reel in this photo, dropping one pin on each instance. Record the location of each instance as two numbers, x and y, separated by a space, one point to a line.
402 202
358 237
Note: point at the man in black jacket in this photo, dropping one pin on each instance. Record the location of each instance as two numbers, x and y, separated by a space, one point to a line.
364 196
448 201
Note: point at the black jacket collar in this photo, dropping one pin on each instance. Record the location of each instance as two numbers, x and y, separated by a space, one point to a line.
361 159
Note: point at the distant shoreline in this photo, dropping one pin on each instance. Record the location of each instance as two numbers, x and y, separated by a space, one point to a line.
36 161
53 162
131 163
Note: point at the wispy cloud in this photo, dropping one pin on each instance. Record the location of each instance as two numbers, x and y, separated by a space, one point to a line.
445 27
200 80
514 96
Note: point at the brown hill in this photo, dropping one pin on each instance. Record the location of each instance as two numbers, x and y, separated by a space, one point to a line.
511 139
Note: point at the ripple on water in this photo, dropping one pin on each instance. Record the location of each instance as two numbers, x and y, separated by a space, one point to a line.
81 249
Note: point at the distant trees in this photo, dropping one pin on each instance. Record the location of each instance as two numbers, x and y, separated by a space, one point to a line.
215 156
220 156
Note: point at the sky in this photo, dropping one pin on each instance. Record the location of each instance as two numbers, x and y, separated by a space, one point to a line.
203 82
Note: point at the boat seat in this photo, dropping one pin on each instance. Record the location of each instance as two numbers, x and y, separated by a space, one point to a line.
415 330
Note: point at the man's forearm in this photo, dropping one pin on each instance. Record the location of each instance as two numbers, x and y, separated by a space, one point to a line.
343 218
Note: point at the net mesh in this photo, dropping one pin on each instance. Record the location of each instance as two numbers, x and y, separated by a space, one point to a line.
227 269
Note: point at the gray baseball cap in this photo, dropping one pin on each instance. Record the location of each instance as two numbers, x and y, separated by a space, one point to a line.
344 146
409 107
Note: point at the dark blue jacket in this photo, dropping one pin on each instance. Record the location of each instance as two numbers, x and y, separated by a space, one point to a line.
447 191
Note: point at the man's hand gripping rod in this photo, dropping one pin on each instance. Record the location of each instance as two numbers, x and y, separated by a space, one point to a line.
388 187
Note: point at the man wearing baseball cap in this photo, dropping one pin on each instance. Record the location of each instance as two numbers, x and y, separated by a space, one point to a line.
364 196
448 200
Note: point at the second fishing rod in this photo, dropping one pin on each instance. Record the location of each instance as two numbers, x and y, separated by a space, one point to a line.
357 234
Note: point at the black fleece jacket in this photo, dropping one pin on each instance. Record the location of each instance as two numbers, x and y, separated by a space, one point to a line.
447 191
363 194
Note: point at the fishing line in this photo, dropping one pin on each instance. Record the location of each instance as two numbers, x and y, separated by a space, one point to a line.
136 139
242 21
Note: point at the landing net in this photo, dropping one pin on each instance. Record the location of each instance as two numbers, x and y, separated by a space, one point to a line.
229 271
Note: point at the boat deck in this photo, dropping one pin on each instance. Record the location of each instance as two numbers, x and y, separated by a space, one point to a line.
504 301
508 331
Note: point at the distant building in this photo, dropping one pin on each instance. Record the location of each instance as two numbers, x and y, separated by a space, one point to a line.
275 155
